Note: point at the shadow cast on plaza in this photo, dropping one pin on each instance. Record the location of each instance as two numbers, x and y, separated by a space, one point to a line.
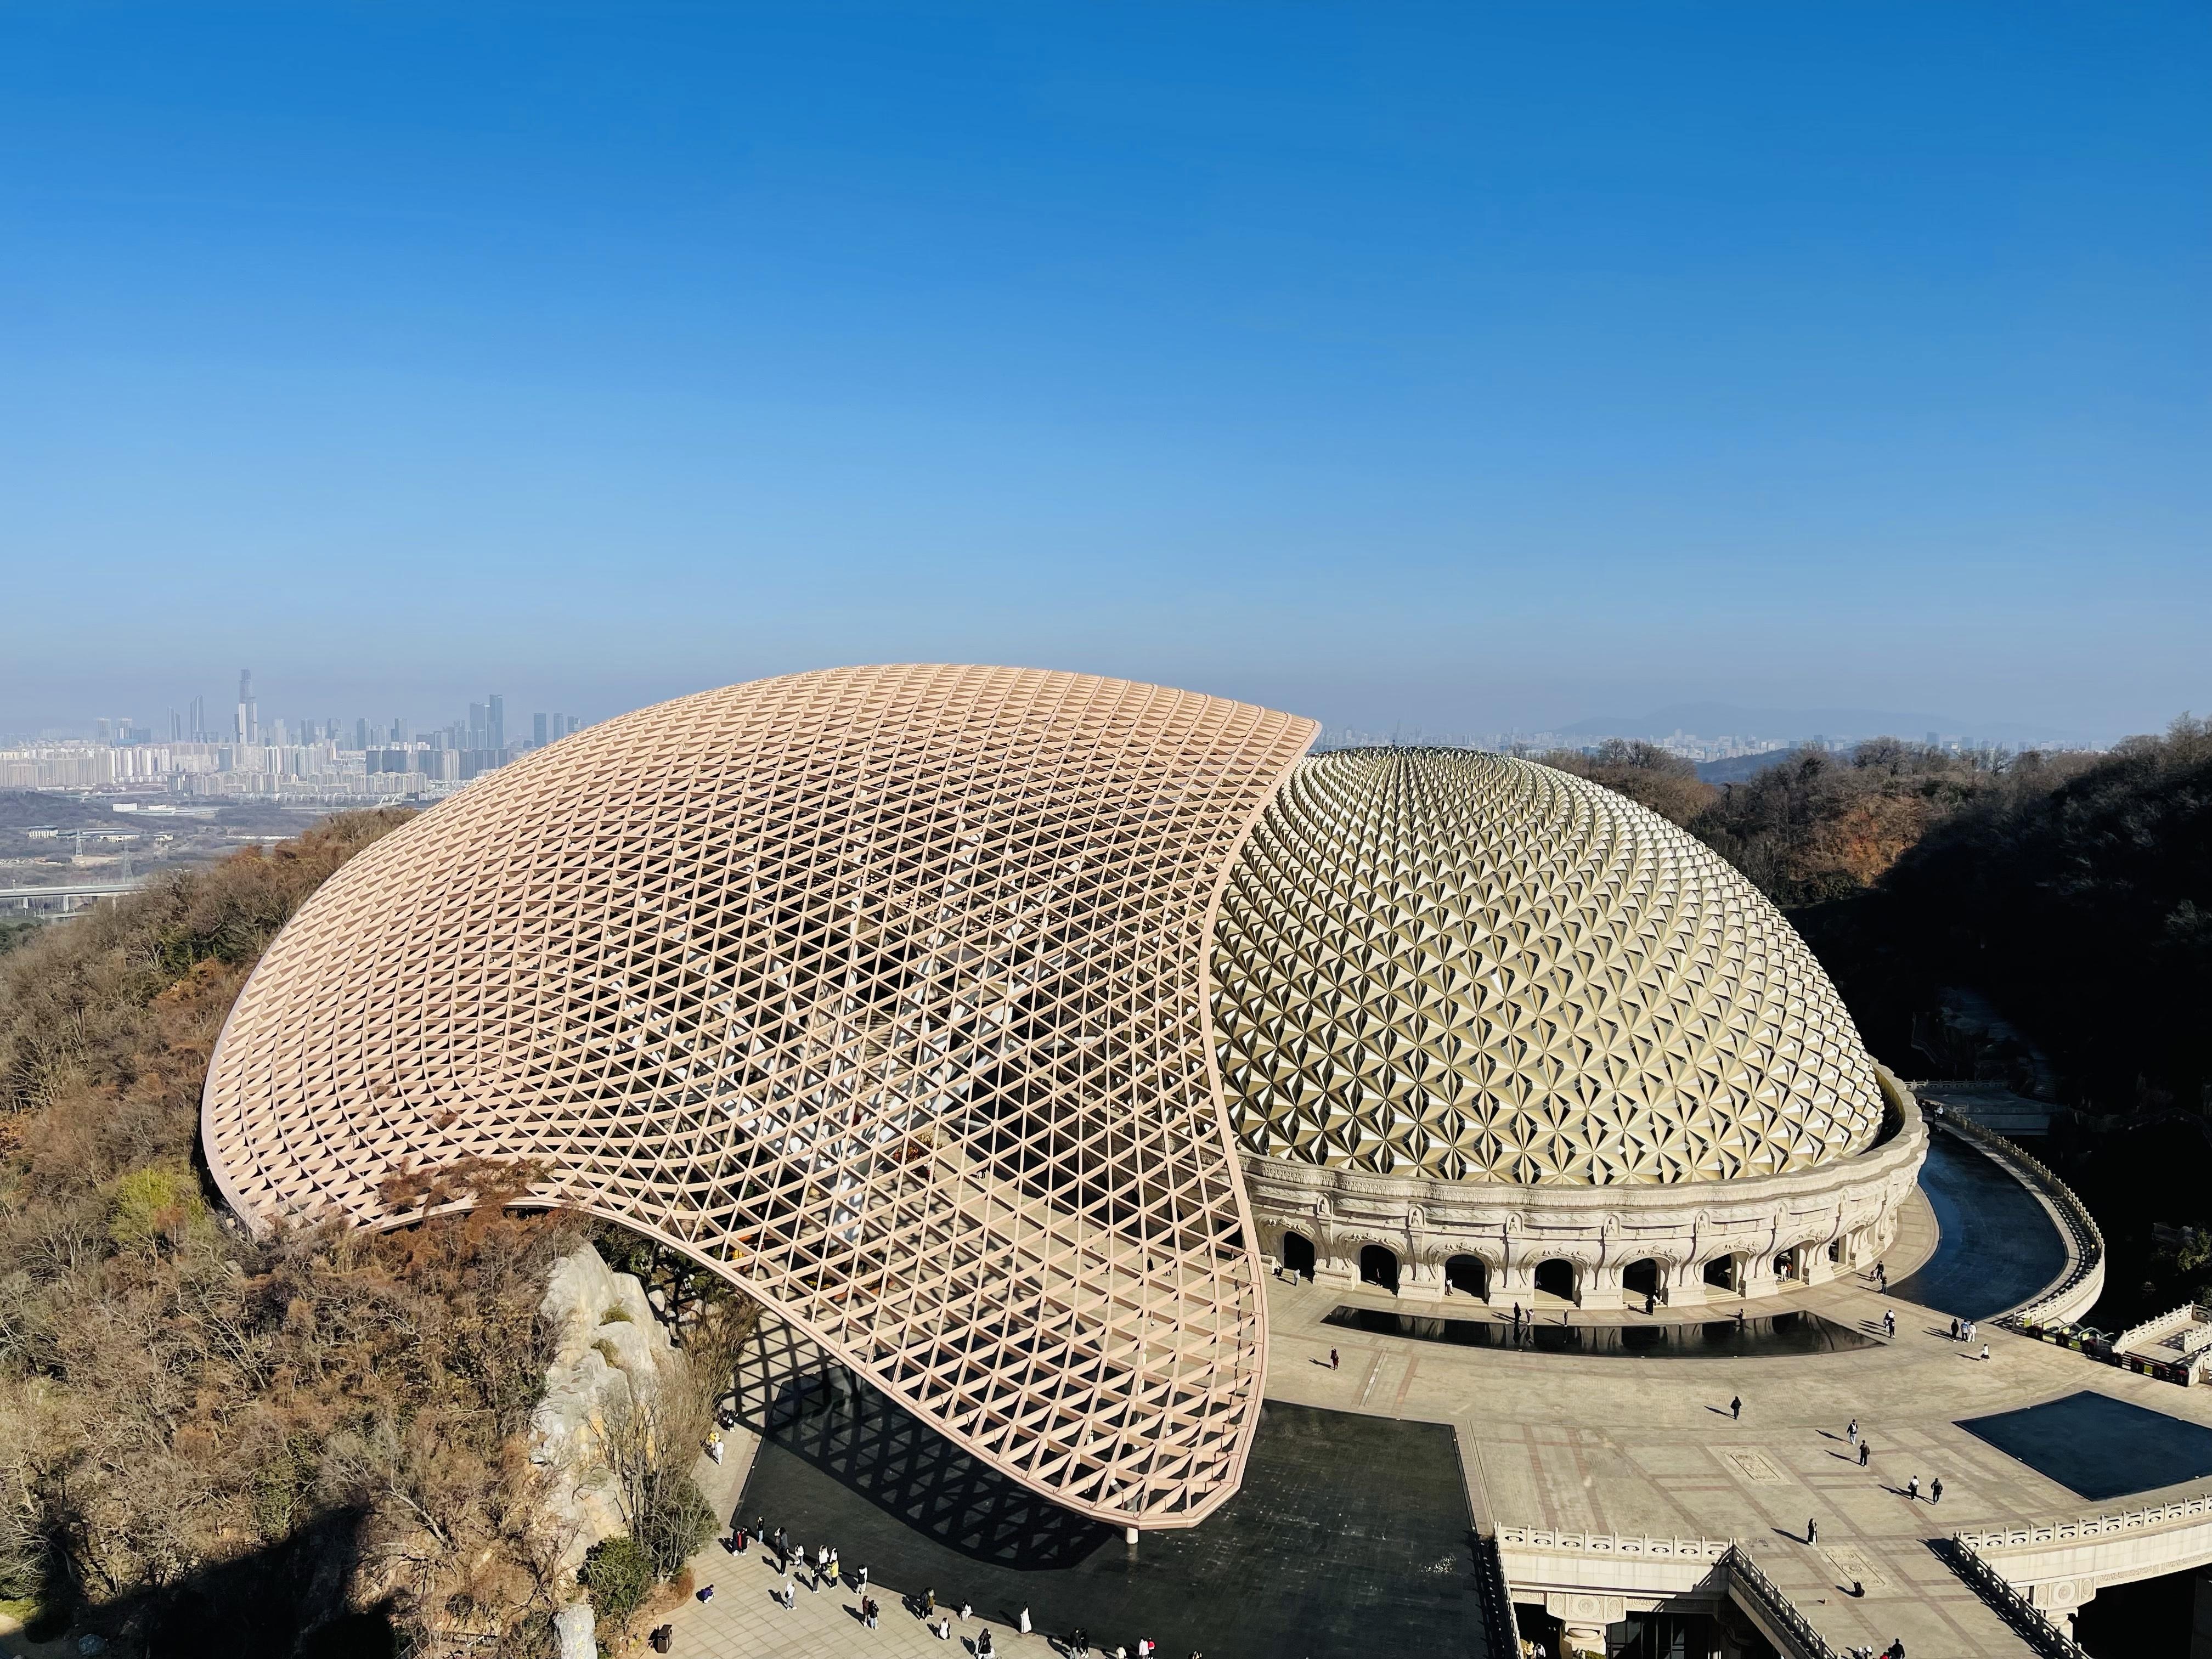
797 1398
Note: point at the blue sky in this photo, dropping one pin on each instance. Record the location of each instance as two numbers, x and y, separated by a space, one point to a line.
1460 368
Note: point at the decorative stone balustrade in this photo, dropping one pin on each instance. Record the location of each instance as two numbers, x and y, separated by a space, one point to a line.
1612 1544
2183 1329
2188 1510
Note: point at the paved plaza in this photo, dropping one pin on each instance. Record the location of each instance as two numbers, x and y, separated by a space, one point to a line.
1596 1443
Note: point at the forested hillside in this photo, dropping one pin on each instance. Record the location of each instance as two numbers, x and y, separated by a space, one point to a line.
209 1443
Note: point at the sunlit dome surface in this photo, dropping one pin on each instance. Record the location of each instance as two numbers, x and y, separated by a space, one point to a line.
1447 963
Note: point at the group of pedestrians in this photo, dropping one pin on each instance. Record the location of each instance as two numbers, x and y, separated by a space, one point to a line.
1962 1330
825 1570
1864 1447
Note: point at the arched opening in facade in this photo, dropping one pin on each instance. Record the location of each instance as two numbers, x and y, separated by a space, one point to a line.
1641 1278
1298 1254
1787 1270
1556 1278
1466 1276
1378 1267
1836 1250
1724 1273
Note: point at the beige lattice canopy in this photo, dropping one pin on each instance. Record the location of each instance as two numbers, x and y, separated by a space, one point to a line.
882 991
891 995
1470 967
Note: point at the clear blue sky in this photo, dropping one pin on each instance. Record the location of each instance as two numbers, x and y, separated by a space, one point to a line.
1461 368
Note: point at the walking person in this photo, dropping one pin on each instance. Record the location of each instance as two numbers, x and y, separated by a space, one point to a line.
832 1570
789 1594
870 1612
1735 1409
1021 1622
929 1602
1851 1433
983 1647
967 1611
1332 1360
1889 1321
1955 1330
1985 1351
1935 1489
1866 1451
860 1579
1912 1488
1812 1532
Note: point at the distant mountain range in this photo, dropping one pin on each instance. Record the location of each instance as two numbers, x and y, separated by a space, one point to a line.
1714 719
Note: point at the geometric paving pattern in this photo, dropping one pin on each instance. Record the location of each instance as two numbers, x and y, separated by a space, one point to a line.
882 991
1447 963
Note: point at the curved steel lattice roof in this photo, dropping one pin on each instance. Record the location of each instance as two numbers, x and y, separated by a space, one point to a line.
1459 965
882 990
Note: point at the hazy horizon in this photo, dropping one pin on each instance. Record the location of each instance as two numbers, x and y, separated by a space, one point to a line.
1460 371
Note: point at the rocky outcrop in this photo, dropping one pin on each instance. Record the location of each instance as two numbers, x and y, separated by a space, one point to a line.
608 1347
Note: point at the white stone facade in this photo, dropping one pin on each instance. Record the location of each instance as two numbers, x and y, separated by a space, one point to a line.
1774 1233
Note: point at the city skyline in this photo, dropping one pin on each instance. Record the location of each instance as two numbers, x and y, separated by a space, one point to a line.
1469 371
1679 724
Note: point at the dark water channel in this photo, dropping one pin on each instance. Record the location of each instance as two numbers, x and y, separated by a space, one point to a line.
1706 1339
1998 1246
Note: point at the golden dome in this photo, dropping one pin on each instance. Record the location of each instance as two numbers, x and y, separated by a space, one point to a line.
1441 962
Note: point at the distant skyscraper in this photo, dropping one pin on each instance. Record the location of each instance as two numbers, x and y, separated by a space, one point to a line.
538 731
399 730
573 723
198 721
496 723
476 725
361 732
248 729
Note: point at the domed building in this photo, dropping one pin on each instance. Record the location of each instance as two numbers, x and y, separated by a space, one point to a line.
1487 1029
